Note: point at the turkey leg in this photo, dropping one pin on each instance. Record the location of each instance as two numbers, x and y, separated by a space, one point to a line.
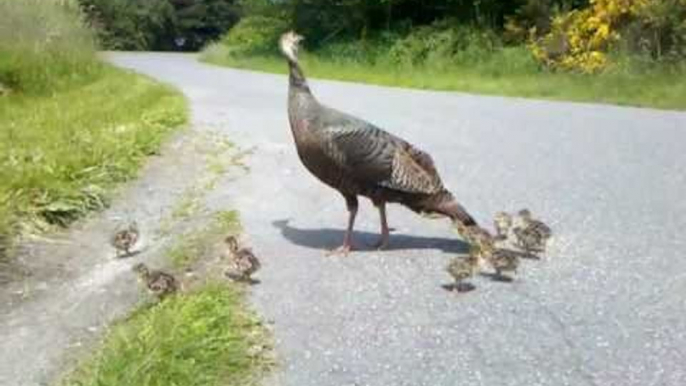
383 240
351 202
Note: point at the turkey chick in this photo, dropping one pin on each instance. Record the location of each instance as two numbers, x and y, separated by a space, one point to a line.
124 239
532 235
462 268
243 260
159 283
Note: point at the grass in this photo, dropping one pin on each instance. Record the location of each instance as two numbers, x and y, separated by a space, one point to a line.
196 244
509 72
201 338
71 127
61 153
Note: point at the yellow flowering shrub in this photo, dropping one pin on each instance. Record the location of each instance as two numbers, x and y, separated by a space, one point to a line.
579 39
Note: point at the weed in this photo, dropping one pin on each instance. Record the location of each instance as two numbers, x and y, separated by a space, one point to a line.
200 338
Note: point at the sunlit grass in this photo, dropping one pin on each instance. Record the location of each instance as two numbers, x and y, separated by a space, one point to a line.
201 338
198 243
71 127
61 153
508 73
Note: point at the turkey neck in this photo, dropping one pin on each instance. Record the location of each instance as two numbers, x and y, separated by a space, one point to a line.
300 98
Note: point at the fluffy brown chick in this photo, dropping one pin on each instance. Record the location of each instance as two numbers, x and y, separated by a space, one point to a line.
243 260
532 235
462 268
125 239
158 283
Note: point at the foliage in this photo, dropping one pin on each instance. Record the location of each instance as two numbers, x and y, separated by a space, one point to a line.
255 35
510 71
129 24
658 31
70 126
534 15
160 24
444 41
60 154
195 339
43 44
580 39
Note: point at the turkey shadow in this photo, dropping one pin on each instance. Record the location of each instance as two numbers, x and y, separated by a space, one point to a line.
328 238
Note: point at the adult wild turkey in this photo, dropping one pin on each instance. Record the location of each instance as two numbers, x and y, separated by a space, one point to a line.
357 158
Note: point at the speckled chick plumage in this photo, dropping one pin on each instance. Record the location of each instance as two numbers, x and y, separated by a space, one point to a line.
503 260
244 263
503 224
124 239
158 283
532 235
462 268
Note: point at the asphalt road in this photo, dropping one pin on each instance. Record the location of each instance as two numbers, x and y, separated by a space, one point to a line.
606 307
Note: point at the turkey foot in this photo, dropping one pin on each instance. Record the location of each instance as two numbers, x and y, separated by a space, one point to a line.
343 250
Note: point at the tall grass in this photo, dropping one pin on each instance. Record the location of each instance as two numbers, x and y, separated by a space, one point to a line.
447 56
70 125
44 45
195 339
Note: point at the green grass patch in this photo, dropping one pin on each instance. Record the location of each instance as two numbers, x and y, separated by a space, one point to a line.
62 152
45 46
509 71
201 338
190 247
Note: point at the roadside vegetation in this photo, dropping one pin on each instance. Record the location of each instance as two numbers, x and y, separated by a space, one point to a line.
629 52
204 335
71 126
198 338
171 25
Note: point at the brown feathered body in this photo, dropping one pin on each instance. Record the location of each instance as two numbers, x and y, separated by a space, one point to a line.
532 235
357 158
157 282
503 260
461 269
244 263
125 239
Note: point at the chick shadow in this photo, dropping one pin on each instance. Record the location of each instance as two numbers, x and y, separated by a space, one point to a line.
462 288
129 254
328 238
497 278
239 279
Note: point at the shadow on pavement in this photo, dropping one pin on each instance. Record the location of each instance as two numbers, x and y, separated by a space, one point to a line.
327 238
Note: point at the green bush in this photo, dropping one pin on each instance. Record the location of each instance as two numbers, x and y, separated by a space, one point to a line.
255 35
444 42
129 24
184 25
44 44
658 31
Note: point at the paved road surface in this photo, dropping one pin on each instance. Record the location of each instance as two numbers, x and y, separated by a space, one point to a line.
608 306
